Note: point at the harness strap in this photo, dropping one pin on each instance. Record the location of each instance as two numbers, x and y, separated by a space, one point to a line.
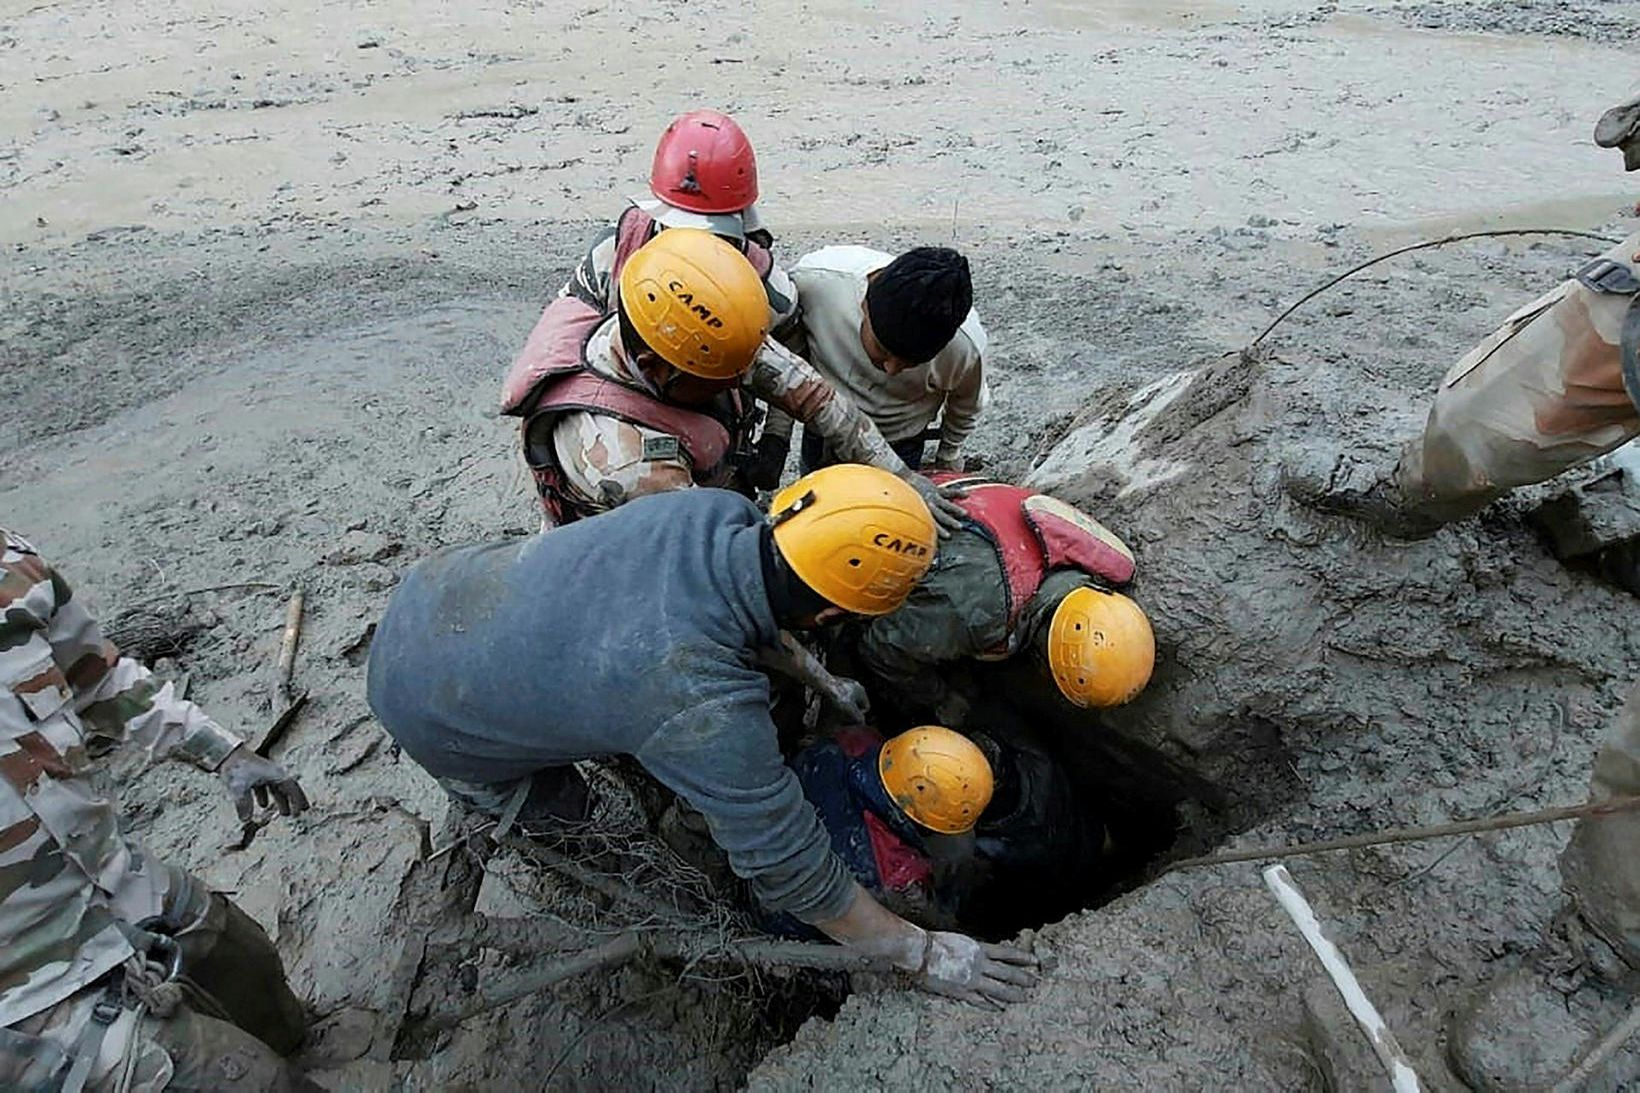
89 1043
1608 277
705 440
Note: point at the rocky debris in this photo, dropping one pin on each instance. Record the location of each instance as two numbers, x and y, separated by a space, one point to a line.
359 547
1596 518
1614 23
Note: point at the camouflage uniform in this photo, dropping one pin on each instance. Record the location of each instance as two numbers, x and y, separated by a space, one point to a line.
1544 393
606 461
71 882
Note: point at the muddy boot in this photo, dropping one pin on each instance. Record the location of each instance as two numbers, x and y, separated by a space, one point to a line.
1527 1029
1338 485
1619 127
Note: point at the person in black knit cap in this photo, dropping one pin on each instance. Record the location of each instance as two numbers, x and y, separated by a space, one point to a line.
900 337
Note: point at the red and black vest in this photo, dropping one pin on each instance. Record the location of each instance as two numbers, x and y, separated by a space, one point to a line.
551 378
1035 534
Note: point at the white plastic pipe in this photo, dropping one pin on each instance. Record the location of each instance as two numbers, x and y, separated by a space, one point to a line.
1401 1075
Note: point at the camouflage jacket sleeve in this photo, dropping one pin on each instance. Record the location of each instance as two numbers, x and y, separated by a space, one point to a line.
793 387
114 696
606 462
783 306
589 282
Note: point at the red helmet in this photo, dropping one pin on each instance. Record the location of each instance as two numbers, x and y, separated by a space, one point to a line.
704 163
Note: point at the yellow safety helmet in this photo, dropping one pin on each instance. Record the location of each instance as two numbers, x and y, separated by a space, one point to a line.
938 777
1101 648
696 301
857 535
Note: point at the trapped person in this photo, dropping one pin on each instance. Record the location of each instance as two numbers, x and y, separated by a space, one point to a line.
900 337
978 831
883 804
113 965
639 632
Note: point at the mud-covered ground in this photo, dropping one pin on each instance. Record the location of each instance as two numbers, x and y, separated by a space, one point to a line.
263 270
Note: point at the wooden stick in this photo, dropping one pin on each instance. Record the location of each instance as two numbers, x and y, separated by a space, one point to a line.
1608 1046
1608 806
1384 1045
287 646
615 951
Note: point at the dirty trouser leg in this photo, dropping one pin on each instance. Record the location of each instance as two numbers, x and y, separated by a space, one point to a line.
1601 865
180 1052
1544 393
232 963
209 1055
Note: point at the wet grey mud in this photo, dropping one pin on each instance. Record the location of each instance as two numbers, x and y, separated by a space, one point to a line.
262 282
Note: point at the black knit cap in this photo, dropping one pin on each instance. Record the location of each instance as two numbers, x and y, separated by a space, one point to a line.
917 302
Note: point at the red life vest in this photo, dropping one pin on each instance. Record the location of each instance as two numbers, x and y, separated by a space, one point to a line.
550 378
1035 534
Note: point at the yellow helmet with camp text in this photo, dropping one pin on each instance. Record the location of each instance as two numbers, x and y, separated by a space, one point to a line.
1101 649
697 302
858 536
937 777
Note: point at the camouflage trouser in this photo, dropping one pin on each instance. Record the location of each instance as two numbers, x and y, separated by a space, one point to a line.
237 1019
1601 865
1543 394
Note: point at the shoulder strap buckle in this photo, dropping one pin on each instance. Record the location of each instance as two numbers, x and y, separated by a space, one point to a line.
1609 277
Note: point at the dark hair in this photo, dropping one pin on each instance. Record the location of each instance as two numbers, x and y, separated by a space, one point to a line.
918 301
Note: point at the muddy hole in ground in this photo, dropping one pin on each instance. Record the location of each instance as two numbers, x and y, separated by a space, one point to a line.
1080 814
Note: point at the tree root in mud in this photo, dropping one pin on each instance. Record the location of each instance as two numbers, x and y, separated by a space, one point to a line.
641 904
690 948
151 632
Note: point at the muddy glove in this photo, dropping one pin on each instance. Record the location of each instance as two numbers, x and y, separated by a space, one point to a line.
848 697
957 966
254 781
948 515
764 468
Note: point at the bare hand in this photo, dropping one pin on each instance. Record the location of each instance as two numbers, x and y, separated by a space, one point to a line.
957 966
255 782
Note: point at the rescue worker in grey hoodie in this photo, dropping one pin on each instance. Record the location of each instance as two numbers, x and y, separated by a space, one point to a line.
641 632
